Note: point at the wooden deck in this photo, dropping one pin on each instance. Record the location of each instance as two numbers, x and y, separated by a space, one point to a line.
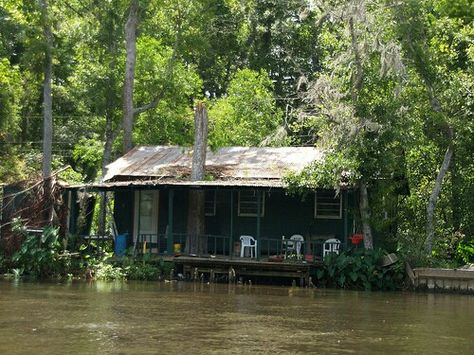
236 267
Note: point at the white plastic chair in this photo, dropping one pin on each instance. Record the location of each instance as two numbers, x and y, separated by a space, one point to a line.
247 241
298 242
331 246
293 244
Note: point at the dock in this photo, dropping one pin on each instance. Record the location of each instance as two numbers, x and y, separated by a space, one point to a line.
444 279
236 268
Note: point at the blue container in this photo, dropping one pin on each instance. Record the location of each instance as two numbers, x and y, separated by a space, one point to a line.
120 244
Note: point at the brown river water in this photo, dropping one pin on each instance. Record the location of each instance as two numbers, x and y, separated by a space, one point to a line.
196 318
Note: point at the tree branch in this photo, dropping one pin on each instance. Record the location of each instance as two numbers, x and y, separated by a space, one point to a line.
149 106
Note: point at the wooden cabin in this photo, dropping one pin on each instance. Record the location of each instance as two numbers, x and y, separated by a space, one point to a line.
245 194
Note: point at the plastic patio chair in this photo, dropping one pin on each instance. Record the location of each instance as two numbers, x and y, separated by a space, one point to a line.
298 242
293 245
331 246
247 241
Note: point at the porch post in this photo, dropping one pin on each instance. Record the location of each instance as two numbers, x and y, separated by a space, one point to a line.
137 237
231 239
72 213
259 209
169 242
346 201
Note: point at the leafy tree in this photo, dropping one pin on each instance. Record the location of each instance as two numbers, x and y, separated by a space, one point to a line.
354 103
438 46
247 114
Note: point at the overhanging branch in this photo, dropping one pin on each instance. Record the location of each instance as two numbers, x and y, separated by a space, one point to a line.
151 105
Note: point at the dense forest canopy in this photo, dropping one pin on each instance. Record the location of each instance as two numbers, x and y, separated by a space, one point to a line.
385 86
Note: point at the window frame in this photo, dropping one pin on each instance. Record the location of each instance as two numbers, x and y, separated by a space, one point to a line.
318 216
213 213
249 214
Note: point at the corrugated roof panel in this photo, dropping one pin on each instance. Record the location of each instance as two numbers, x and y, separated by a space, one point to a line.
250 163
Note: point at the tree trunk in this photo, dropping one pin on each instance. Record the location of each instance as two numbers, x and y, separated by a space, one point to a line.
131 48
196 218
433 200
430 208
365 215
47 113
456 192
47 97
200 142
109 131
358 76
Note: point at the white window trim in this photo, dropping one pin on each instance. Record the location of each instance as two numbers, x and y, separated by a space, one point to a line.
213 213
262 208
326 216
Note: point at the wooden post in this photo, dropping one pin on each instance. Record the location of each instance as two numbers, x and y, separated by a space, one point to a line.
259 210
231 223
169 236
137 239
345 201
72 212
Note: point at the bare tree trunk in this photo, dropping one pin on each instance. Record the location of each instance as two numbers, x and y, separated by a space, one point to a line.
430 208
196 217
365 215
200 142
47 97
109 131
131 47
433 200
47 112
456 192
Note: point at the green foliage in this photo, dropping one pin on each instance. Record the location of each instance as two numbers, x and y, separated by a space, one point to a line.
103 266
334 171
145 267
39 256
103 270
247 114
87 154
143 272
465 252
10 96
248 57
360 269
3 263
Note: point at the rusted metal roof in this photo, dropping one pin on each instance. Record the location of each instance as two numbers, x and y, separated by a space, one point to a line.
232 166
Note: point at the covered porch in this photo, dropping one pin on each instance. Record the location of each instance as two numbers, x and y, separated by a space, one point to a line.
152 220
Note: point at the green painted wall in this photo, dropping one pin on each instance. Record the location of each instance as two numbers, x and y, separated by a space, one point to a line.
284 215
123 212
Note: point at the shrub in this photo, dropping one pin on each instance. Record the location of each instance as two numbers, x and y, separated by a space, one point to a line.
465 252
39 256
360 269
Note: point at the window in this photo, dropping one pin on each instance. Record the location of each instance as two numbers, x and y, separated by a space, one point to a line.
327 205
248 203
210 203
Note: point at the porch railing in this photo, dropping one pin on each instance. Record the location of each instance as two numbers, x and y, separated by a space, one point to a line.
311 250
220 245
158 244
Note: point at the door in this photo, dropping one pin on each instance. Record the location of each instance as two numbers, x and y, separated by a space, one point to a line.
146 219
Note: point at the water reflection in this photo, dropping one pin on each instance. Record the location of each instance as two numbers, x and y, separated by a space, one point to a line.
176 317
